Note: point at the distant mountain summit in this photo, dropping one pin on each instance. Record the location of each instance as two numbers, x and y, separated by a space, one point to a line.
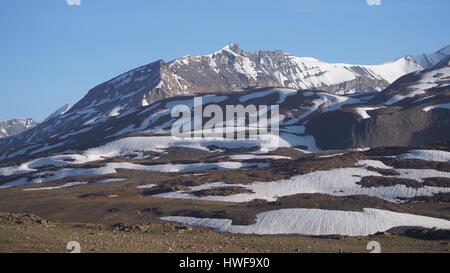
230 69
433 59
15 126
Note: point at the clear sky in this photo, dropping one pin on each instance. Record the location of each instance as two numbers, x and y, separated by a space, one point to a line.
52 53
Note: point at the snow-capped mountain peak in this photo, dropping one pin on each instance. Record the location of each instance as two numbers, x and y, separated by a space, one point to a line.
16 126
232 48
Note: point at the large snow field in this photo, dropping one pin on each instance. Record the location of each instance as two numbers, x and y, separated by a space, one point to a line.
318 222
131 145
338 182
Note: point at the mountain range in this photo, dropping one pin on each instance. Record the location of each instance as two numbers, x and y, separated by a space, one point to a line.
231 68
227 70
411 111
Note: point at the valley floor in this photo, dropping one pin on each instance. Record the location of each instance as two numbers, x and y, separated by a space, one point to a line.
131 210
172 238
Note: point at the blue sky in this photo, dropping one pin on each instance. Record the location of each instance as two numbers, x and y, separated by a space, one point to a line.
52 53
